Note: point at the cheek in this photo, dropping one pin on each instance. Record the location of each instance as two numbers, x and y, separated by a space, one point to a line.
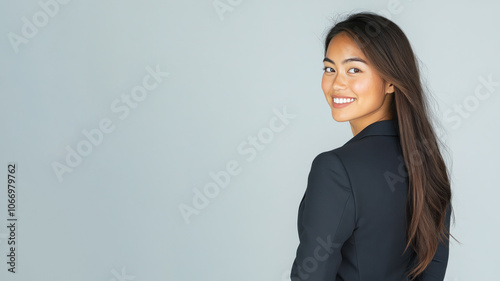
367 88
361 87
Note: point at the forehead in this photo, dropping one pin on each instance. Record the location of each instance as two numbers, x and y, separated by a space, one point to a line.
343 45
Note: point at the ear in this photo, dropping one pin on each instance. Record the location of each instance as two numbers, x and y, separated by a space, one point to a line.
389 88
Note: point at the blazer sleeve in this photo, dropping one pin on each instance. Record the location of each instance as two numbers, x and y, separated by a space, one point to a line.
326 220
436 269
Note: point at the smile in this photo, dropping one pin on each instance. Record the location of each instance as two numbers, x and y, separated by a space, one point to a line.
343 100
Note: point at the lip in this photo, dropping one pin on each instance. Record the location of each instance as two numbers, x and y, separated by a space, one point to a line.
335 105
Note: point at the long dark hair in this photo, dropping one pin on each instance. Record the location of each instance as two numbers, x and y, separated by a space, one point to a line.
429 195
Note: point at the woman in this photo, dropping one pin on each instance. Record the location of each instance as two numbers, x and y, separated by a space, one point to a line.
378 207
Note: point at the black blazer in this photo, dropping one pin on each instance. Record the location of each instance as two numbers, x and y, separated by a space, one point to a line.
351 220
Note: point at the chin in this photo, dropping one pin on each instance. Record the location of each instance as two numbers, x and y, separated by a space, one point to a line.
338 118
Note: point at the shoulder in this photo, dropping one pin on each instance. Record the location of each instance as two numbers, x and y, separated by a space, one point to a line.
328 165
328 158
335 157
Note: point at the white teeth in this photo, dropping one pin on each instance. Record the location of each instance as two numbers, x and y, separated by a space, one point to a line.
343 100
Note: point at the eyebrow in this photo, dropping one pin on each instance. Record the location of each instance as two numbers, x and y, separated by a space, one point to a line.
346 60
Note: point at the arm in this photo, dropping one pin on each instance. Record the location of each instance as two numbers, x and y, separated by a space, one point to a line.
436 269
327 221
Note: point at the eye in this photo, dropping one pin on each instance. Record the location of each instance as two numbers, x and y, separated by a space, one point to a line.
330 70
354 70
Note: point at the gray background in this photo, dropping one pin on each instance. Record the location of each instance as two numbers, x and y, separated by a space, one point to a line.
116 215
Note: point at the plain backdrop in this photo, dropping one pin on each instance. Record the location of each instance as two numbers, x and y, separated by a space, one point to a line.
171 140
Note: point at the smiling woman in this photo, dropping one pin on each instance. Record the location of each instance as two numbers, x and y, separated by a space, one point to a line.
366 214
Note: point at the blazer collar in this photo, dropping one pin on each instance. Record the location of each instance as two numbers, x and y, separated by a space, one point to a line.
379 128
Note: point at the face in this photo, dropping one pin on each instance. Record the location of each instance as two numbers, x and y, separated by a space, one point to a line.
352 86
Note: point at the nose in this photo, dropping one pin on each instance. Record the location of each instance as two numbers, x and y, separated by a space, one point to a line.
338 83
